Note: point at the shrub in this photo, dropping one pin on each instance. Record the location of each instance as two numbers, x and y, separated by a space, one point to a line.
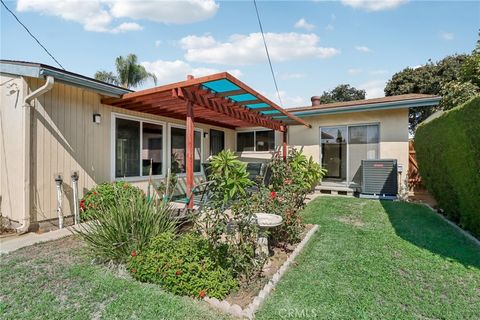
106 195
129 223
185 265
229 176
448 154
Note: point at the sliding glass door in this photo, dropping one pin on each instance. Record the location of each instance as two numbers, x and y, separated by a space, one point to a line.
334 152
344 147
362 145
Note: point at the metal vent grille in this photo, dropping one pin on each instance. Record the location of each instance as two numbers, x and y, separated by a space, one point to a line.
379 177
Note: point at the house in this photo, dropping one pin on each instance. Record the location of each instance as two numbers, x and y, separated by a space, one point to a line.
54 123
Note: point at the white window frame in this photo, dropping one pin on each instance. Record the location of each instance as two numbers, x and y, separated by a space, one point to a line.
255 141
169 147
113 149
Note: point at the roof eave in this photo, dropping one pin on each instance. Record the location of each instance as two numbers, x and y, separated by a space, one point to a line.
424 102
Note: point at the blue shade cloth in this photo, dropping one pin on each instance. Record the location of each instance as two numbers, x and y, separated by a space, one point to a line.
257 105
242 97
270 112
221 85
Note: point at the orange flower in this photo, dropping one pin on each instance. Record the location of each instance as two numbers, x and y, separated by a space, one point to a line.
202 294
134 253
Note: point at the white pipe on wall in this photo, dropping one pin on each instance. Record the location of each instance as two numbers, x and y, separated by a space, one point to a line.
25 221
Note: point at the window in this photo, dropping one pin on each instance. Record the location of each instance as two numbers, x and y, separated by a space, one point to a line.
138 148
217 141
246 141
152 149
261 140
178 151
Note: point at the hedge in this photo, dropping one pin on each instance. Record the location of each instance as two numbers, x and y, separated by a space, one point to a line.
448 155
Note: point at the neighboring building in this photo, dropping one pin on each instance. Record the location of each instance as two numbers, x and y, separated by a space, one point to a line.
107 133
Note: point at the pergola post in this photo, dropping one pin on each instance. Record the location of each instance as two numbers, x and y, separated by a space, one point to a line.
190 134
284 143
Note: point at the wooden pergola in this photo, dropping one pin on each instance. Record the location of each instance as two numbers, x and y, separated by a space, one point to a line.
219 99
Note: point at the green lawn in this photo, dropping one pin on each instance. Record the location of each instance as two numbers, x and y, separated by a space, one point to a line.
369 259
379 260
54 281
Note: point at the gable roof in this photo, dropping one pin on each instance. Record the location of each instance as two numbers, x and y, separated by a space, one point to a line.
39 70
391 102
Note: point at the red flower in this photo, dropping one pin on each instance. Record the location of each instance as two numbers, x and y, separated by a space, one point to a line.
202 294
179 272
134 253
94 193
82 205
273 194
133 270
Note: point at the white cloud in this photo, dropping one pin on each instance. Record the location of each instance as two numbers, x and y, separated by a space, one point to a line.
127 26
174 12
354 71
177 70
288 100
197 42
98 15
373 88
363 49
448 36
247 49
303 24
416 66
374 5
158 43
288 76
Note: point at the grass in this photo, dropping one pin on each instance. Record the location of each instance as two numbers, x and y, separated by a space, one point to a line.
379 260
53 281
368 260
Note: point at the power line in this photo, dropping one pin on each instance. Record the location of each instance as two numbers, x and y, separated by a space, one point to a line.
268 55
41 45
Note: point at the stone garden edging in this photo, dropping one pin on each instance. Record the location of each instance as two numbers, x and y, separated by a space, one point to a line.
249 311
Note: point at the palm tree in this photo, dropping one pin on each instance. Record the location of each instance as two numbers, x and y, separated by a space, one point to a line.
130 74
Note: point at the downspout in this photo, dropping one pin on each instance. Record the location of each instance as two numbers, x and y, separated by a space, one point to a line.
27 151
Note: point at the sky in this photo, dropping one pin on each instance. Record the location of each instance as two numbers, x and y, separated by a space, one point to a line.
314 45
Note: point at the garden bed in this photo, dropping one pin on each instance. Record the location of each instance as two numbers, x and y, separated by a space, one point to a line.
245 294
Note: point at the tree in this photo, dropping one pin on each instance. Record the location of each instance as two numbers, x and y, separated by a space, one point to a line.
342 92
454 78
129 74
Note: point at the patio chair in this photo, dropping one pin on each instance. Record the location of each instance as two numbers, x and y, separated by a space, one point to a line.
200 194
254 170
207 170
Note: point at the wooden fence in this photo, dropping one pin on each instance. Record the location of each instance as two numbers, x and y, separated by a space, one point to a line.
414 179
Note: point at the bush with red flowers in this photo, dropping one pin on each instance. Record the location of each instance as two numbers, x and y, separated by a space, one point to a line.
184 265
106 194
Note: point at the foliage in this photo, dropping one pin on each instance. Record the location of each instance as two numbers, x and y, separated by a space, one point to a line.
234 233
303 172
185 266
229 177
342 92
128 223
456 78
448 153
291 182
130 73
455 93
105 195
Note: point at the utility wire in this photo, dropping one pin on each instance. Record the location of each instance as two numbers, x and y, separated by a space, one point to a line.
41 45
268 55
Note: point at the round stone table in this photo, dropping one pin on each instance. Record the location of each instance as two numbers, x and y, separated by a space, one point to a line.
265 221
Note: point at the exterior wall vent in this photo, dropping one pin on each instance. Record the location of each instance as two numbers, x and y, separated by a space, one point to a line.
379 178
